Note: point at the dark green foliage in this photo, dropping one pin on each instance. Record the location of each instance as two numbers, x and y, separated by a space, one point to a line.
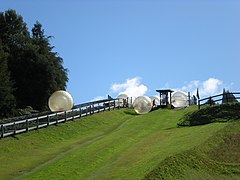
228 97
13 31
35 70
210 101
7 100
217 113
194 100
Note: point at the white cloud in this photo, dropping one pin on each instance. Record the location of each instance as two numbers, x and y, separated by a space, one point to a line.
98 98
209 87
131 87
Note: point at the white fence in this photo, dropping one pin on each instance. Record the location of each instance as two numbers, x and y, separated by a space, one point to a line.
31 123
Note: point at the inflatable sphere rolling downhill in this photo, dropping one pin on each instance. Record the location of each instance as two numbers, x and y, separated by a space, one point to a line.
142 104
60 101
179 99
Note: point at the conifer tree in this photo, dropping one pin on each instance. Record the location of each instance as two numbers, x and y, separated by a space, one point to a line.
228 97
7 100
35 70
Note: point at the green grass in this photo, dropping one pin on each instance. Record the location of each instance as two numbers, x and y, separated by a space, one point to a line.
111 145
26 151
216 158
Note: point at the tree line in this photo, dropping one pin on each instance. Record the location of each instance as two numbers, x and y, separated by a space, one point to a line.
30 71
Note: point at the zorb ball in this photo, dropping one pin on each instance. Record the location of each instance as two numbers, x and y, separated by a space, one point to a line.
179 99
142 104
155 100
121 100
60 101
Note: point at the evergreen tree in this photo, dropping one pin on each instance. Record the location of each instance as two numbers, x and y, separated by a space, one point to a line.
228 97
13 31
15 37
35 69
7 100
52 75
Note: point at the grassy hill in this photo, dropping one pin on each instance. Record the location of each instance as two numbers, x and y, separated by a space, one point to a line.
123 145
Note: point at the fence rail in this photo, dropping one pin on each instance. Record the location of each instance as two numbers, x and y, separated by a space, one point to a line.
227 97
35 122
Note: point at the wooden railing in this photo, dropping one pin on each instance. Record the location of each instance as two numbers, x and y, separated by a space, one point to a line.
218 99
35 122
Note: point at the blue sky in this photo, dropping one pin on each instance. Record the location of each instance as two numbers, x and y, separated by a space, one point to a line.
138 46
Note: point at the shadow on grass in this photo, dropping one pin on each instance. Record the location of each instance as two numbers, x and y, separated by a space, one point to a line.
218 113
131 112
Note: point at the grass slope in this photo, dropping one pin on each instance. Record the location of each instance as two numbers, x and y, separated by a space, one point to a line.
110 145
26 151
216 158
208 114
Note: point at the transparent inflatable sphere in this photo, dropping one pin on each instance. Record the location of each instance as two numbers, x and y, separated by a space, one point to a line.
155 100
142 104
179 99
121 100
60 101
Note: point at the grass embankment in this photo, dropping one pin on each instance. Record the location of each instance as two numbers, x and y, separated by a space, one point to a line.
208 114
112 145
22 153
217 158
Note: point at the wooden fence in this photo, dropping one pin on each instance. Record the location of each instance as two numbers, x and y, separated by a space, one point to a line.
227 97
35 122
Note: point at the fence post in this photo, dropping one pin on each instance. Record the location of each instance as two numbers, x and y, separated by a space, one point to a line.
2 130
88 108
65 114
57 118
93 108
199 104
80 111
210 101
27 125
109 105
72 115
14 126
48 120
37 123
